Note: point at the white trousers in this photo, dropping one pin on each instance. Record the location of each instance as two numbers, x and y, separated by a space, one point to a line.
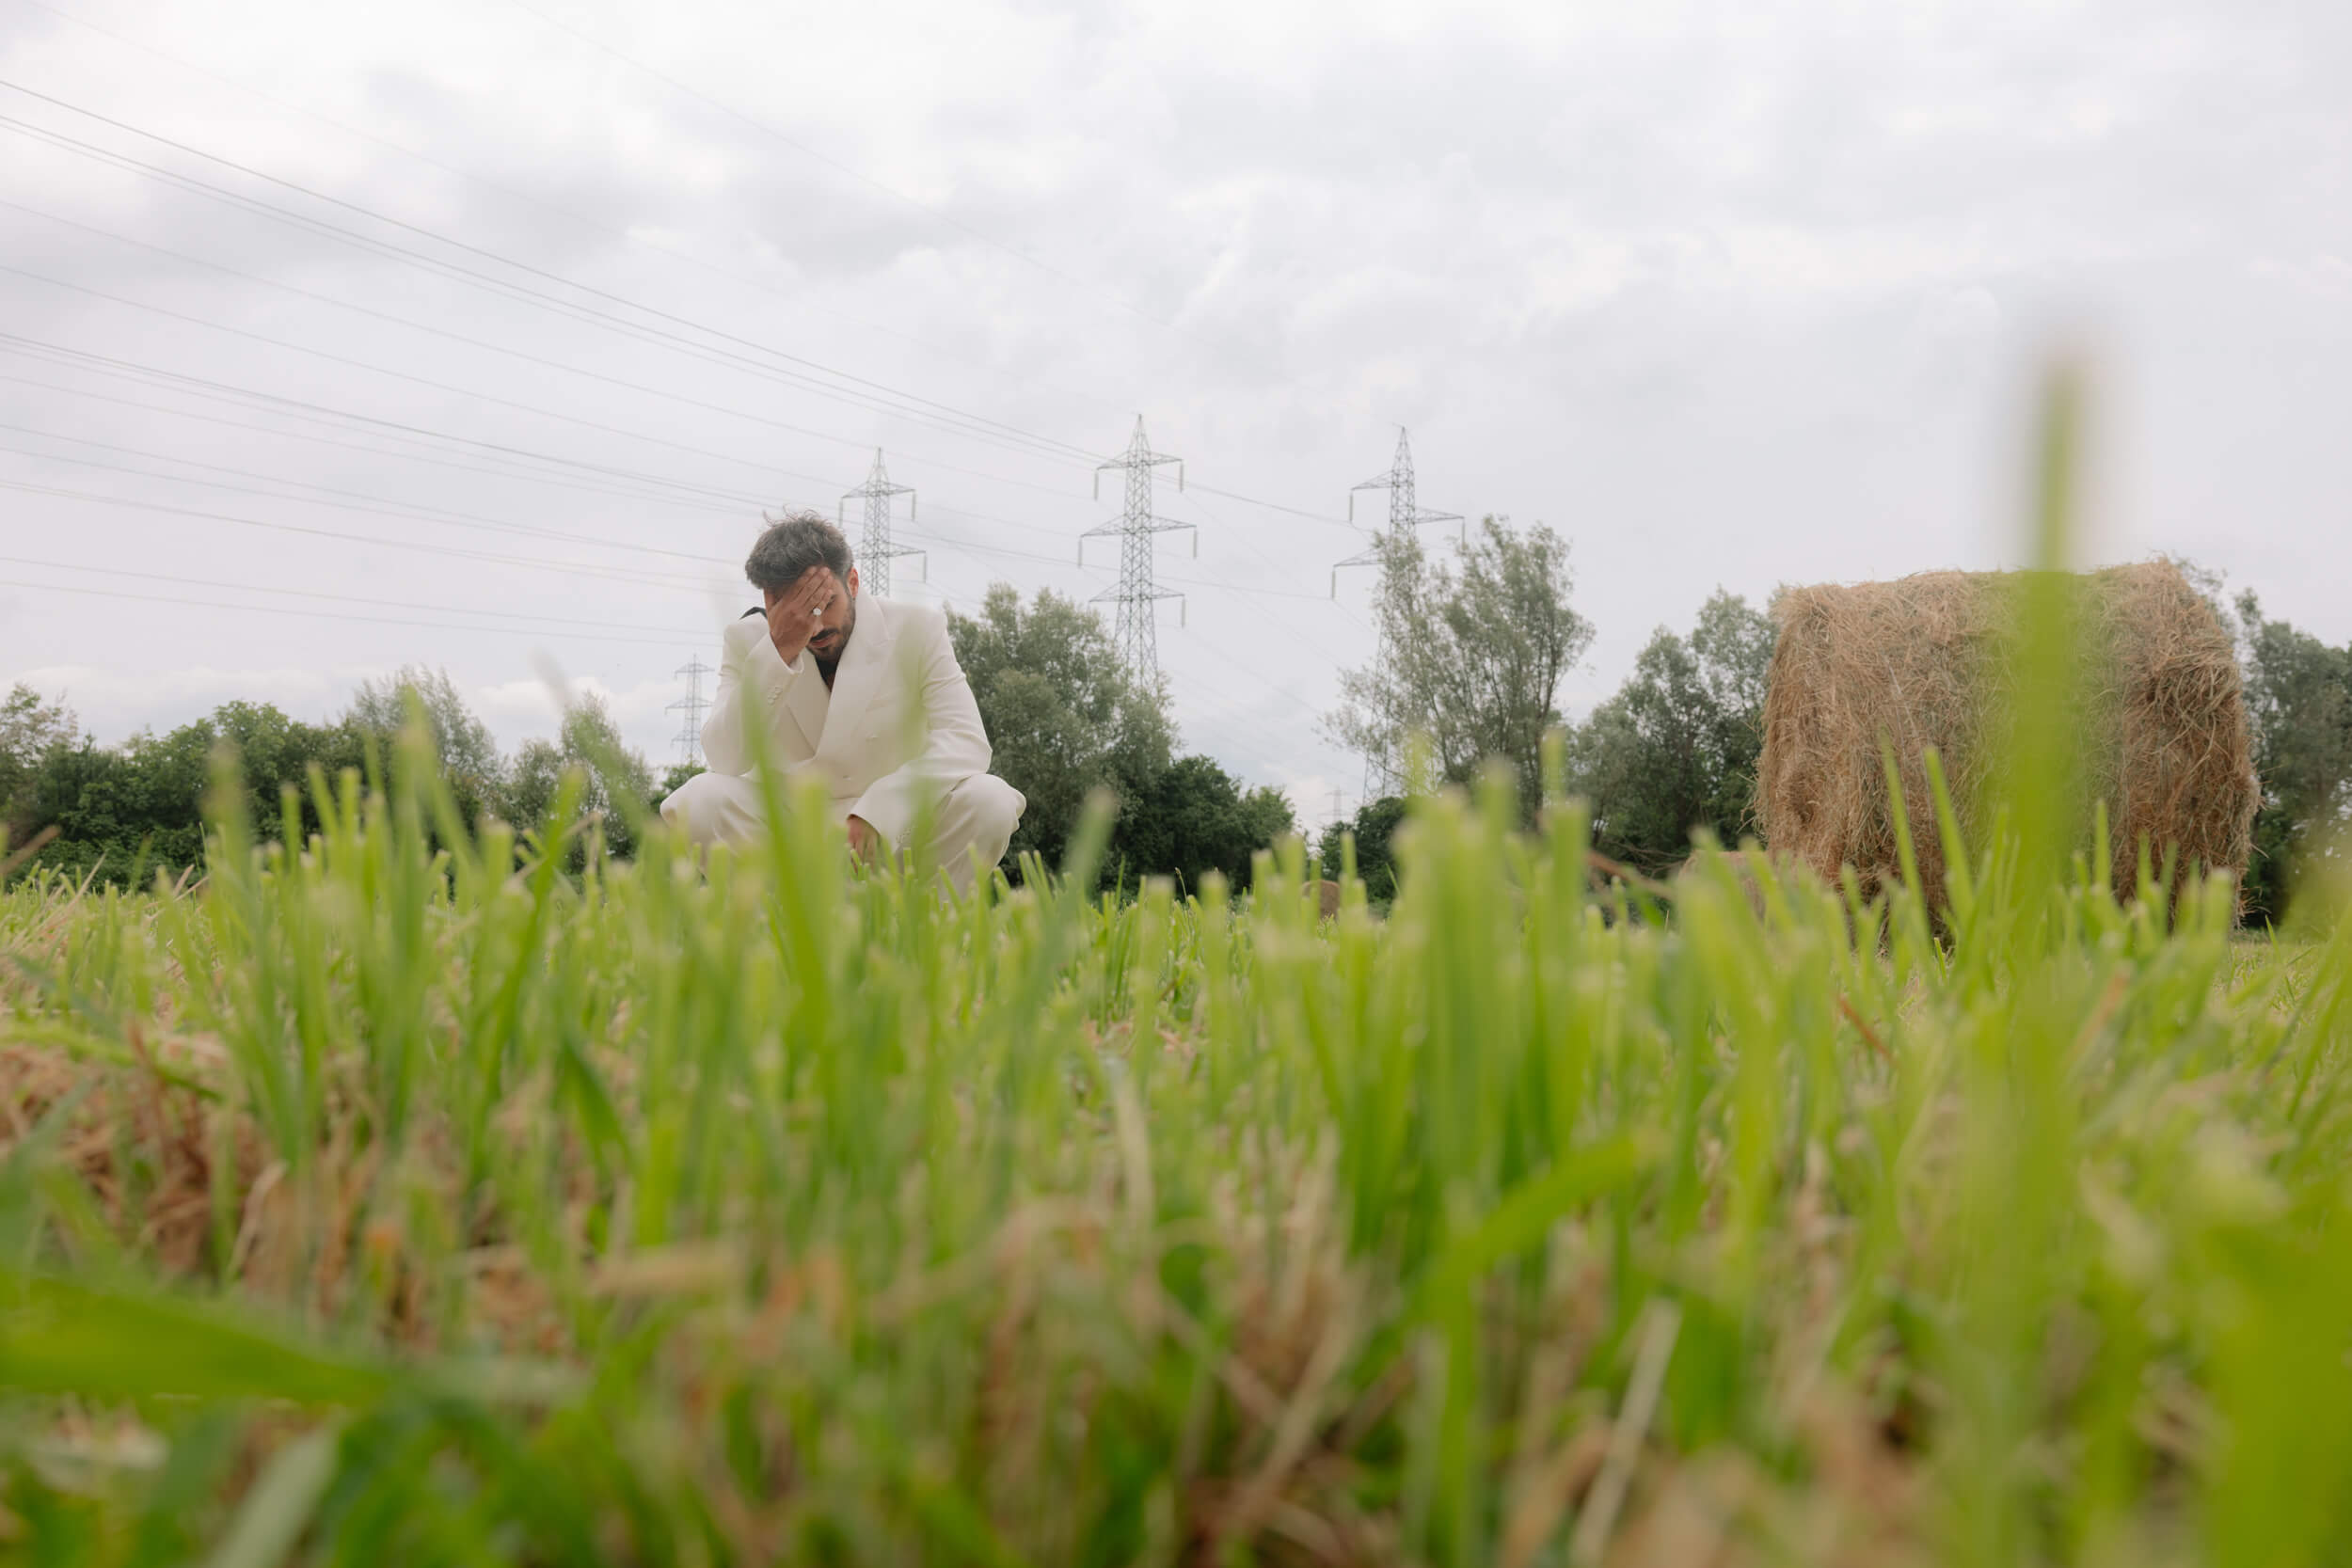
977 812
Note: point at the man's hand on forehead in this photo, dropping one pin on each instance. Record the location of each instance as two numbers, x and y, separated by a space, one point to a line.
799 611
826 587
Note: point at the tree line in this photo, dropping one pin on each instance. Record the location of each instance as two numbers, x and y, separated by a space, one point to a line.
1064 713
1477 648
138 807
1066 716
1479 640
1478 644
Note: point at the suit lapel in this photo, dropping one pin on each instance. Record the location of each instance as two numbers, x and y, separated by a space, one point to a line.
806 701
805 698
857 682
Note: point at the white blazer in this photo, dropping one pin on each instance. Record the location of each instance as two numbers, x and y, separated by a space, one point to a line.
900 718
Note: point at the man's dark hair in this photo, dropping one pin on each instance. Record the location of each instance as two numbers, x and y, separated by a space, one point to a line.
790 545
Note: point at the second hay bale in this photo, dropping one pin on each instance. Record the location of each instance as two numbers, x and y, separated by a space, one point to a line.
1927 661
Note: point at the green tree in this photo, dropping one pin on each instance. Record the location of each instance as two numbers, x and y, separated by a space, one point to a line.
30 731
470 759
142 803
1195 819
1476 649
1064 714
612 772
1675 748
1374 827
2298 699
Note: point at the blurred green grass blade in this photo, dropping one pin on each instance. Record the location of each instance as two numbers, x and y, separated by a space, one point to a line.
2041 759
1524 1216
279 1507
57 1336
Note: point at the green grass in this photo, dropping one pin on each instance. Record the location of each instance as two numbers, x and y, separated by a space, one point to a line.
378 1201
373 1202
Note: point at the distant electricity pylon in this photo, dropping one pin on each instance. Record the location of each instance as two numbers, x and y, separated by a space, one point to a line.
694 704
1381 774
1135 631
876 553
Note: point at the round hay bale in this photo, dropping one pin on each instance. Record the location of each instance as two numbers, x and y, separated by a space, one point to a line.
1327 898
1927 661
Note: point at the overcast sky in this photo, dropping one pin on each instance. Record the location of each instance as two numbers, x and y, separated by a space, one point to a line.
1732 295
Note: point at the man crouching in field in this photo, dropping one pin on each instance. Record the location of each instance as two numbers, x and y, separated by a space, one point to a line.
864 694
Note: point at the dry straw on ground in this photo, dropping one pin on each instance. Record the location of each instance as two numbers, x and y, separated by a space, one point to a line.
1925 661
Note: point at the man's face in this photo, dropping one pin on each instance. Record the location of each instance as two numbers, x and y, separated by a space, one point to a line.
839 619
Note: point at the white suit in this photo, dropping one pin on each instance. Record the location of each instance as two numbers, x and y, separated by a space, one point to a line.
899 720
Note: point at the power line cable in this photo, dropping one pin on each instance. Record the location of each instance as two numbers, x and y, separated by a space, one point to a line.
466 519
618 574
531 474
517 193
308 409
540 360
1278 506
502 290
514 527
1232 720
343 599
229 393
328 614
1050 444
469 248
397 375
855 173
1201 582
955 545
382 369
1236 719
950 542
952 546
428 513
1246 543
602 574
1282 691
1275 742
395 510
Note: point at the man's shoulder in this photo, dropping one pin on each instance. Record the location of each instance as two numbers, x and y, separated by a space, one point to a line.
740 643
916 622
745 629
926 619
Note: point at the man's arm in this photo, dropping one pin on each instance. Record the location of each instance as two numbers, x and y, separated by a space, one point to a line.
762 654
955 745
748 666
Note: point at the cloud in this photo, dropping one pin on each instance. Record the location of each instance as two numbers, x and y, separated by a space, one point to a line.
112 703
1740 297
538 706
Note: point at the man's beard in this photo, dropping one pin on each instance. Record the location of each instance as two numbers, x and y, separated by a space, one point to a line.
826 666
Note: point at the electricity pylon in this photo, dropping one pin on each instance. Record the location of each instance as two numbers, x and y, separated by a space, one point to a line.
694 704
876 551
1136 631
1381 774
